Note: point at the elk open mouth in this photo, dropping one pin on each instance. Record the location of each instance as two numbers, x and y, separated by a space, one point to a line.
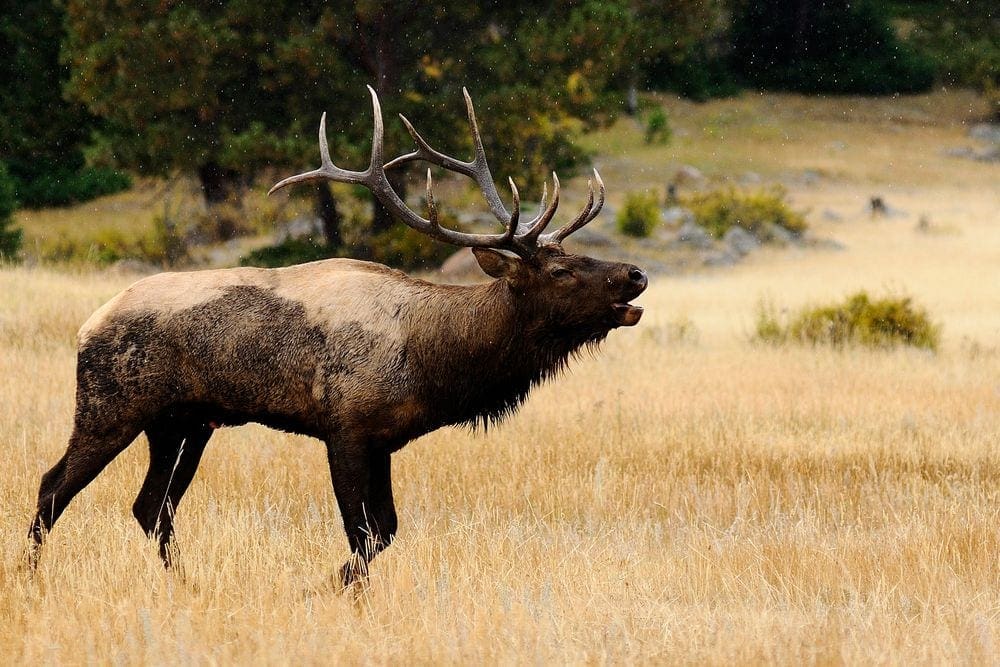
626 314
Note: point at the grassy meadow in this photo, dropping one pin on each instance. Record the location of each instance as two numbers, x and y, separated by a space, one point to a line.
684 496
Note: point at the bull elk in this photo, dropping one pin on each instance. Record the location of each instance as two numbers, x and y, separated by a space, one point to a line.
358 355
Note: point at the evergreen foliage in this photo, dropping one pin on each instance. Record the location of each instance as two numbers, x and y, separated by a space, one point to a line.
824 46
10 237
42 137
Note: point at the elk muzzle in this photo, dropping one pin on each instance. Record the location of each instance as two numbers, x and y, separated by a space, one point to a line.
626 314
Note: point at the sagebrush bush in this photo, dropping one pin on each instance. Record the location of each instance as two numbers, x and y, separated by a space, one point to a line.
858 320
755 211
640 214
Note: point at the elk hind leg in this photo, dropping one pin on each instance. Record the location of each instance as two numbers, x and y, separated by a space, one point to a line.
175 451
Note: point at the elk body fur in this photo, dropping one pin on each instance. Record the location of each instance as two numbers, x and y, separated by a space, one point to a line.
356 354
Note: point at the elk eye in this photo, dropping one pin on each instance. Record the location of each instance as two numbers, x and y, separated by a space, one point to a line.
560 272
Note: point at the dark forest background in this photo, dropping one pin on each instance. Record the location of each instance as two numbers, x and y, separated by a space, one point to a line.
96 93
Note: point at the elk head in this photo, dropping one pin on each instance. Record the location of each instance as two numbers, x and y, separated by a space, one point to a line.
571 292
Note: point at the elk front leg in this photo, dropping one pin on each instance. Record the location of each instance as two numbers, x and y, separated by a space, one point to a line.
362 484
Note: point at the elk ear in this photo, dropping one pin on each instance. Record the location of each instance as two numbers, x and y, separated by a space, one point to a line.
496 264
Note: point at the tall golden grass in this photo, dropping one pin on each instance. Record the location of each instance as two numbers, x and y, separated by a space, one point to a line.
684 496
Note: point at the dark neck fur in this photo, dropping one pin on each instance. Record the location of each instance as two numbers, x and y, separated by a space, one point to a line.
485 351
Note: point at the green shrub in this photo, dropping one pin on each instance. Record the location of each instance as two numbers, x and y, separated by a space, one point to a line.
768 328
640 214
10 237
64 187
288 252
859 320
167 244
405 248
657 127
719 210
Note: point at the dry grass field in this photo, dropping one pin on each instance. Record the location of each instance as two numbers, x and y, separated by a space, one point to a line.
686 496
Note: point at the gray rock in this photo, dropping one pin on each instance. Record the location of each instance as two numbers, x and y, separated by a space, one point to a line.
589 236
823 243
676 215
986 132
963 152
832 216
775 233
740 241
135 267
720 258
693 236
461 267
988 154
478 219
299 227
688 175
811 177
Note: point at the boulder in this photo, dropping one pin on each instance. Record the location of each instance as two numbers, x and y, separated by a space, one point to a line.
135 267
720 258
740 241
688 175
989 132
775 233
589 236
676 215
693 236
461 267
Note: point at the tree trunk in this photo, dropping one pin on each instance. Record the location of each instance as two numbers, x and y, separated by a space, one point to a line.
632 98
217 183
383 220
326 210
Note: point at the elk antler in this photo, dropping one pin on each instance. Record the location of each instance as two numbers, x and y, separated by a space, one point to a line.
522 238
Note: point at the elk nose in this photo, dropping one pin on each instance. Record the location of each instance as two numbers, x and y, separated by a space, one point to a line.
638 277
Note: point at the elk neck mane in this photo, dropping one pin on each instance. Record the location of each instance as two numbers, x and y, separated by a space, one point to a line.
482 348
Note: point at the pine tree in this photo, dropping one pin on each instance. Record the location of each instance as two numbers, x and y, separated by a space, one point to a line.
10 237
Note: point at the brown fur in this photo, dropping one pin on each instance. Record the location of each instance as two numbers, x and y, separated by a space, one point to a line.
356 354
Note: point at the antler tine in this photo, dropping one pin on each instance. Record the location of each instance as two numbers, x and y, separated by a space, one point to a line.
426 153
327 170
324 145
477 139
541 203
538 225
432 214
515 214
588 213
477 169
378 134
